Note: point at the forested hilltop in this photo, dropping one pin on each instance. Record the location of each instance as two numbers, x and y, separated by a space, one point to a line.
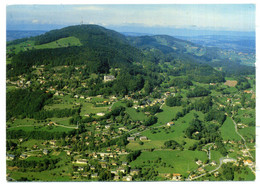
85 103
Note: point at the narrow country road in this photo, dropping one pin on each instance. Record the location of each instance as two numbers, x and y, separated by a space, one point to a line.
241 137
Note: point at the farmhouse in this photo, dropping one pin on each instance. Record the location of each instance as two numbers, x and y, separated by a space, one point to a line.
199 162
176 176
116 177
81 161
121 170
124 163
134 172
247 91
213 163
95 175
10 157
248 162
143 138
170 123
52 142
100 114
127 178
201 169
109 78
45 152
130 138
80 168
23 156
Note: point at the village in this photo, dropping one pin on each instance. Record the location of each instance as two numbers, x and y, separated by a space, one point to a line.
91 154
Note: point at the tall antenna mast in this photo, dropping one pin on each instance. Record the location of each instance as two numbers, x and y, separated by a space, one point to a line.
81 22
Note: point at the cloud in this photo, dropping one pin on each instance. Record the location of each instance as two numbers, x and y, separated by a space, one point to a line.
89 8
35 21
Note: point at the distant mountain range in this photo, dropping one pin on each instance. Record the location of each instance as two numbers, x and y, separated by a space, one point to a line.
18 34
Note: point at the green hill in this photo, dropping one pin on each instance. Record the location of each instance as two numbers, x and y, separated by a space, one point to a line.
101 49
94 46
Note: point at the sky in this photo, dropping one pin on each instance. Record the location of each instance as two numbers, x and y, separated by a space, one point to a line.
224 17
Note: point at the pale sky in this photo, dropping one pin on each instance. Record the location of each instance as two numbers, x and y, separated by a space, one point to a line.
197 16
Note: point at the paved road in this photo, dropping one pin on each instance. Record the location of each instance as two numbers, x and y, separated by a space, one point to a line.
221 161
241 137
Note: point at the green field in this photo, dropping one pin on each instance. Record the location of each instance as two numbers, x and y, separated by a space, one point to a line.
166 115
246 174
29 45
215 156
175 132
182 161
88 108
60 173
228 131
147 145
131 111
42 128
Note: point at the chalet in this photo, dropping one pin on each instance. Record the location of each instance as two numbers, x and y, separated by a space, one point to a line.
100 114
103 154
113 172
127 178
95 175
192 176
231 150
23 156
199 162
109 78
228 99
103 166
35 146
130 138
196 133
247 91
80 168
248 162
108 149
122 170
45 152
92 167
170 123
124 163
112 155
82 161
213 163
68 152
122 128
107 126
116 177
134 172
10 157
50 123
201 169
216 174
52 142
85 174
143 138
167 93
82 97
114 163
176 176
